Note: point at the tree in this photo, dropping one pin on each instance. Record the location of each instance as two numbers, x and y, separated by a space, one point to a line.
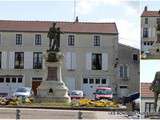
155 87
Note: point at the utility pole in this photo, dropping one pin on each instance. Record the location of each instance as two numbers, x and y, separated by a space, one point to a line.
74 9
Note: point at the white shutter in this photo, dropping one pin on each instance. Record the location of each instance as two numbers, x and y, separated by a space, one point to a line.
154 32
149 32
127 71
28 60
68 60
88 61
104 61
11 59
4 60
73 61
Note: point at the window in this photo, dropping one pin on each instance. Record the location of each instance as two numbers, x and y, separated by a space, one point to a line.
18 39
85 80
96 40
123 71
37 78
0 59
13 80
91 80
103 81
149 107
20 80
1 80
145 32
158 38
96 61
7 80
146 21
97 81
158 21
71 40
135 57
0 39
19 60
37 60
37 39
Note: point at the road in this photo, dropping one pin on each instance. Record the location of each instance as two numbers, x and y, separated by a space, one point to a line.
10 113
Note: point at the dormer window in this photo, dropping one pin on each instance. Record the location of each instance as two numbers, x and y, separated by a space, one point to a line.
96 40
71 40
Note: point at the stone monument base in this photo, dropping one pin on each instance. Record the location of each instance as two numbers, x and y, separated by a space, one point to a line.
53 88
53 91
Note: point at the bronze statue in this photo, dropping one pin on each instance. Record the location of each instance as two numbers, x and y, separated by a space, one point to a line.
155 87
54 38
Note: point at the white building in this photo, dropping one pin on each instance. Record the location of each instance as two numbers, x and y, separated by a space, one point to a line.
90 56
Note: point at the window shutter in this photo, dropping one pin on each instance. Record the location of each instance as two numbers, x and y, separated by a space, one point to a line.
4 60
149 32
11 59
74 61
154 32
68 60
127 71
88 61
28 60
104 61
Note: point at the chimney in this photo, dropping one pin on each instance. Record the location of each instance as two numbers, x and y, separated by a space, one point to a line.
77 19
145 8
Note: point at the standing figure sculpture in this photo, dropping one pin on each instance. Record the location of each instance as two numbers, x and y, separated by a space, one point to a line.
54 38
155 87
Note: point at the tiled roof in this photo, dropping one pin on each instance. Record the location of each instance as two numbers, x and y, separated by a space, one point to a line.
145 90
43 26
150 14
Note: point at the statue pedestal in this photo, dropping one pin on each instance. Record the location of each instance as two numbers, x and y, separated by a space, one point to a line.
53 88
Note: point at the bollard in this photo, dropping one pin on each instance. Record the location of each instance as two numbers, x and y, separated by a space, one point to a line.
80 115
17 114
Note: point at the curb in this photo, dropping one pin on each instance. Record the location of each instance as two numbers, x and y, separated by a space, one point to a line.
66 108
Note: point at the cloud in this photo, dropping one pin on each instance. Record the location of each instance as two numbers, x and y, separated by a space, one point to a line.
86 6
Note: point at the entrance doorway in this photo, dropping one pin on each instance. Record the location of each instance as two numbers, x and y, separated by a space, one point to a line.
35 84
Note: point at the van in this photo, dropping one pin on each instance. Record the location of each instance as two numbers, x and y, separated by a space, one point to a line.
103 93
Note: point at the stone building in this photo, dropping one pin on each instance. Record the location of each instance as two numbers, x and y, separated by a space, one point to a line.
90 56
150 32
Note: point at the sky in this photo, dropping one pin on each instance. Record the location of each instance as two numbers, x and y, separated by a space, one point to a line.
125 13
148 69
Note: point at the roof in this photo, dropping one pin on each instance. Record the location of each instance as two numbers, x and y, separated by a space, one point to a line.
43 26
145 90
150 14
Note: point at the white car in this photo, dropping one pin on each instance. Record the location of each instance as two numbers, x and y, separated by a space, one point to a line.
23 92
76 94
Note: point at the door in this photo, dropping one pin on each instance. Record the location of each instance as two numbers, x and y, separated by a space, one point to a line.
35 85
123 91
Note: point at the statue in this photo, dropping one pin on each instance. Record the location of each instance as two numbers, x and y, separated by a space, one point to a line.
155 87
54 44
54 38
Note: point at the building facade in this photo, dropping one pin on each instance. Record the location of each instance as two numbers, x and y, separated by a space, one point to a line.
128 75
90 55
150 32
147 99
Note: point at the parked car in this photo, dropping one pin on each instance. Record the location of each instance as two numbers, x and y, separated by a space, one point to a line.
103 93
23 92
77 94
